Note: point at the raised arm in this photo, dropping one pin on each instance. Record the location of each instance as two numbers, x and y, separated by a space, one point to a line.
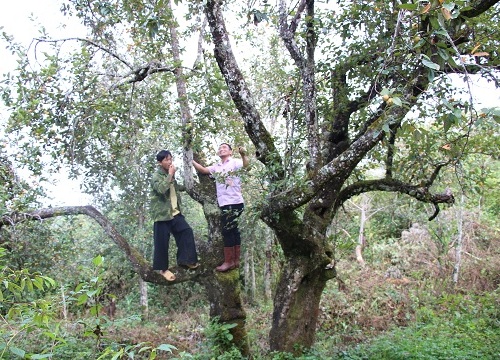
200 168
244 156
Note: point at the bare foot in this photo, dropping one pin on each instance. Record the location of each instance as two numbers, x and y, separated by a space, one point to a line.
167 274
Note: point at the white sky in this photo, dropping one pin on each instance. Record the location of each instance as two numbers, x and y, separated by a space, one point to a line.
23 19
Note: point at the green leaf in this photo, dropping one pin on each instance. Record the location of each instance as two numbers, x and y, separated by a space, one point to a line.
430 64
96 309
435 23
41 356
38 282
166 347
29 284
397 101
91 293
443 54
16 351
448 121
118 354
51 282
98 260
386 91
82 299
229 326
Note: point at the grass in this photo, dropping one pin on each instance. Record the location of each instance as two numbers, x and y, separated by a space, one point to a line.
470 329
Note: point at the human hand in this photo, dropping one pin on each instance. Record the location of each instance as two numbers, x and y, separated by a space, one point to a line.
171 170
242 151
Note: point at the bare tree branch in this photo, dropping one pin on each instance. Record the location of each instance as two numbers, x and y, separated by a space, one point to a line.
141 266
88 41
419 192
240 93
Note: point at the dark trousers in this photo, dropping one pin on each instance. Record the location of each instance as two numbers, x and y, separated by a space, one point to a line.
229 222
184 239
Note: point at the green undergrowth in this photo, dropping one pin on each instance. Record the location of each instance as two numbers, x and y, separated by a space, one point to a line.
457 327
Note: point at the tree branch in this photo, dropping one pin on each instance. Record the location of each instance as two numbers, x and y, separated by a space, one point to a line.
306 66
337 170
140 73
140 265
419 192
241 95
113 54
287 33
478 7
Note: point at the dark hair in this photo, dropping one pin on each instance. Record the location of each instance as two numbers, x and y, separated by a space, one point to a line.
229 146
162 155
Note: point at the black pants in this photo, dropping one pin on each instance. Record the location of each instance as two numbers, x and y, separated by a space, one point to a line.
229 222
184 239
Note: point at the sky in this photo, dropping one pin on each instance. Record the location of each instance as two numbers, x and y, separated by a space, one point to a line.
22 19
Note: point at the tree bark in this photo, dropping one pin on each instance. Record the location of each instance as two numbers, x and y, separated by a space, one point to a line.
296 307
223 291
143 301
224 295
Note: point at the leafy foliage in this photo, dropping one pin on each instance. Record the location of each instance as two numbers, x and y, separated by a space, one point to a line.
468 330
26 307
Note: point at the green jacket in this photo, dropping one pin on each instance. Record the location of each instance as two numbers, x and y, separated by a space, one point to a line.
160 206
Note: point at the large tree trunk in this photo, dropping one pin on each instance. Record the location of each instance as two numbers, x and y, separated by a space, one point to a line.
223 289
224 295
296 305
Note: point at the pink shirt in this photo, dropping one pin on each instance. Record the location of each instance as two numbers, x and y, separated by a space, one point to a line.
227 183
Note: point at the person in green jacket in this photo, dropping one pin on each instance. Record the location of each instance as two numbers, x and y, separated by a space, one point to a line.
168 219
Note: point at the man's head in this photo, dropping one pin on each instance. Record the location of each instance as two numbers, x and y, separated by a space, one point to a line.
225 150
164 159
163 154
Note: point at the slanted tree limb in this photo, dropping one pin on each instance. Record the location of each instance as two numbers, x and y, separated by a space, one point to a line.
240 93
141 266
419 192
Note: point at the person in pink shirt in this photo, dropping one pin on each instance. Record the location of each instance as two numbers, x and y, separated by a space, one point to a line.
230 200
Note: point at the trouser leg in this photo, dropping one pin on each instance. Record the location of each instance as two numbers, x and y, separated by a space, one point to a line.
161 236
184 238
229 224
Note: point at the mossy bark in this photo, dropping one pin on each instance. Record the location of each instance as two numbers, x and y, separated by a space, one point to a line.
296 304
224 295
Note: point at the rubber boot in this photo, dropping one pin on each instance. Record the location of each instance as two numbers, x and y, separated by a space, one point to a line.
228 260
237 252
